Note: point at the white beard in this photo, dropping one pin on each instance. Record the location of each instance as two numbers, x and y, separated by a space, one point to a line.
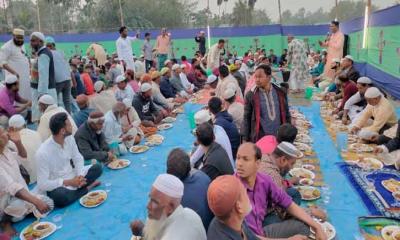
153 228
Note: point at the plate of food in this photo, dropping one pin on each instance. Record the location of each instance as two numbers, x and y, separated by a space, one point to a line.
119 164
93 199
178 110
360 147
168 120
352 138
370 163
309 193
139 149
303 138
392 185
303 147
396 196
164 126
155 139
38 230
388 231
301 173
328 228
308 167
136 237
306 182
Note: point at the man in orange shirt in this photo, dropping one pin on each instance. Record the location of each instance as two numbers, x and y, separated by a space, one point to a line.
87 80
162 46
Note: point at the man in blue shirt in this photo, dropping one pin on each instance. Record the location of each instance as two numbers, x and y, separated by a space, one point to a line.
196 184
165 86
82 115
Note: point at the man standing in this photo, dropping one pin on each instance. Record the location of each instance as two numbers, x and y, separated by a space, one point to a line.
147 51
167 218
43 78
62 74
266 107
201 40
99 53
124 48
14 61
214 55
297 57
56 176
334 42
162 46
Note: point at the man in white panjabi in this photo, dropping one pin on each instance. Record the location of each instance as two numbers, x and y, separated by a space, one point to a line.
214 55
103 100
31 141
167 219
234 108
14 60
124 48
48 106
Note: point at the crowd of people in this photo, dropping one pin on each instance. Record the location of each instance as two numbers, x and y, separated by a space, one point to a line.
232 186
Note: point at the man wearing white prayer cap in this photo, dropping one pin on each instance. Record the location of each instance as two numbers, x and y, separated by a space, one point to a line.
212 81
221 137
234 108
14 61
145 107
10 101
382 112
356 104
30 139
99 86
103 100
43 73
184 80
48 107
177 83
124 90
167 219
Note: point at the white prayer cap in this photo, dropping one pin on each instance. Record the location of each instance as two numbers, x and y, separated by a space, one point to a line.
18 32
349 57
372 92
202 116
290 149
202 31
169 185
16 121
183 66
175 66
145 87
141 56
38 35
167 61
47 99
120 78
10 79
336 60
127 102
229 93
212 78
364 80
98 86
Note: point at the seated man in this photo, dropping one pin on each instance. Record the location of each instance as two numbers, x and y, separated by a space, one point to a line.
82 115
166 87
167 218
356 104
215 161
103 100
204 116
176 82
56 176
263 192
196 184
112 128
11 102
224 119
91 140
235 109
144 106
380 109
124 90
392 148
212 82
16 199
48 106
158 98
31 141
349 88
131 120
226 81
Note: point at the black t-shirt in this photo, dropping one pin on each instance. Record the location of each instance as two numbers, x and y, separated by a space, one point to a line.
219 231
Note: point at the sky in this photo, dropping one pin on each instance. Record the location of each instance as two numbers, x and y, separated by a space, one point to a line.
271 6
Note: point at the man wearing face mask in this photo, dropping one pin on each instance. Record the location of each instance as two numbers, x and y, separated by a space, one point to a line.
91 140
13 59
56 176
144 106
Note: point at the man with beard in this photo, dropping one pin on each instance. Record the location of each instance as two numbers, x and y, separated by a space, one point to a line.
144 106
124 48
56 176
167 219
13 59
112 128
42 78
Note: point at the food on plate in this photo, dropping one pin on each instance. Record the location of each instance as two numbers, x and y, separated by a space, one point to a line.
308 167
139 149
164 126
168 120
388 231
302 173
118 164
396 235
309 193
154 139
328 228
396 195
303 138
37 231
370 163
392 185
303 147
306 182
93 199
360 147
178 110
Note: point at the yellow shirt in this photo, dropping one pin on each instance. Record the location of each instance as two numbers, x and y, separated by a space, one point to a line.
383 113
